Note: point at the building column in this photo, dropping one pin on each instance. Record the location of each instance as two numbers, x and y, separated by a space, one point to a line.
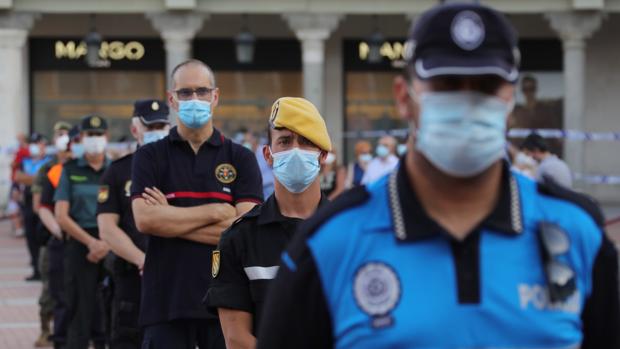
312 30
177 31
14 89
574 29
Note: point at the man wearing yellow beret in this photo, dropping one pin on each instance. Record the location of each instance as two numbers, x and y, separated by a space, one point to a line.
249 251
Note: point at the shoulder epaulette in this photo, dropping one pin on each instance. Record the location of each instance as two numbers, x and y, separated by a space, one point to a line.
551 188
348 199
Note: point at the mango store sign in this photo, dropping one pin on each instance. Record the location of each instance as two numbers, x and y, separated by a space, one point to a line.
108 51
394 51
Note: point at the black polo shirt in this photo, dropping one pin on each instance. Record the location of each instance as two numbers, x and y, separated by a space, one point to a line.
115 197
177 271
249 254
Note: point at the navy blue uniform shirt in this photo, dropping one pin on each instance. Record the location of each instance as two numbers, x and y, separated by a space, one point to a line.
249 254
373 270
177 272
115 197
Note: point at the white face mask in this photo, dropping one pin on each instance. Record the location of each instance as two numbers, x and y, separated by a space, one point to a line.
34 150
94 144
62 142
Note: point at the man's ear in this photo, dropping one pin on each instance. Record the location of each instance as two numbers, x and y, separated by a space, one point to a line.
172 103
322 157
402 99
267 155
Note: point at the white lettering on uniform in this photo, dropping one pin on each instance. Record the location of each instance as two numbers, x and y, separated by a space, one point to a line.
538 297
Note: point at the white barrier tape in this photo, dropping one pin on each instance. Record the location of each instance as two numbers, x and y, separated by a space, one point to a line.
572 135
51 150
597 179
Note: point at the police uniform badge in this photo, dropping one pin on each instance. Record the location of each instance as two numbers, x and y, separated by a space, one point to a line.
103 194
377 291
215 263
128 188
95 121
155 106
467 30
226 173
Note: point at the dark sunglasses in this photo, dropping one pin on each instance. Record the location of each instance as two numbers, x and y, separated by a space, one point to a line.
554 242
188 93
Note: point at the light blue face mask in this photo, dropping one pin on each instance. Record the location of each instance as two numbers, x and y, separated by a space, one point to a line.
77 149
195 113
462 133
153 136
296 169
382 151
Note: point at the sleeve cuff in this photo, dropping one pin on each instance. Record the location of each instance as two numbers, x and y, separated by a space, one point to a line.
252 200
228 296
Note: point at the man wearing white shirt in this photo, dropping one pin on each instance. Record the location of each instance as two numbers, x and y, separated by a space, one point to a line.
385 161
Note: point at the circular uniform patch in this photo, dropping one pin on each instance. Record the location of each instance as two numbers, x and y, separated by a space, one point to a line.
468 30
226 173
376 288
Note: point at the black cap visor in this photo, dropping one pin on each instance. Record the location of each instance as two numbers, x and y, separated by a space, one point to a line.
443 65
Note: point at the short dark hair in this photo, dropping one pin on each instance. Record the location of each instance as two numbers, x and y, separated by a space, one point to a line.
488 84
192 61
534 142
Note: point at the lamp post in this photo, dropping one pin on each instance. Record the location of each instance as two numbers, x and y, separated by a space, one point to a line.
374 44
93 44
244 44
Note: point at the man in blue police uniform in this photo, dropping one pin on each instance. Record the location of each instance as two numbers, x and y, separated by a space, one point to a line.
451 250
187 189
75 210
116 226
248 254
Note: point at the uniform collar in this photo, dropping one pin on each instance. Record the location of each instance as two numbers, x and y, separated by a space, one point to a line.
215 140
81 162
412 223
270 211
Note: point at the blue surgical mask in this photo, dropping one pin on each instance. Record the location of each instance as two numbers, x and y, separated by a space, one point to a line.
153 136
296 169
365 158
401 149
462 133
77 149
195 113
382 151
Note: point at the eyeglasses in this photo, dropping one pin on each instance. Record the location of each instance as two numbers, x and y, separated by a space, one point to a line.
560 277
185 94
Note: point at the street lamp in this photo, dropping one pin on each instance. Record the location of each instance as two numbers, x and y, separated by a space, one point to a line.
244 42
93 44
374 44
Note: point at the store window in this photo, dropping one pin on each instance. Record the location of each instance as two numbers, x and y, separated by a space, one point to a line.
247 91
369 104
64 88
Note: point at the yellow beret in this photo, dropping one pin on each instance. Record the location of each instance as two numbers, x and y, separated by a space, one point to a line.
301 117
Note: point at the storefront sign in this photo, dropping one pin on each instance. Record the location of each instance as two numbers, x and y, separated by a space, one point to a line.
69 53
112 50
394 51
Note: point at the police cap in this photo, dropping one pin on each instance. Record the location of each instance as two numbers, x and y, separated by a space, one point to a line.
464 39
151 111
93 123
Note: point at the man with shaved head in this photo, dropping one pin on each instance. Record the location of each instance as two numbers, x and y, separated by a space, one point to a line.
186 189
